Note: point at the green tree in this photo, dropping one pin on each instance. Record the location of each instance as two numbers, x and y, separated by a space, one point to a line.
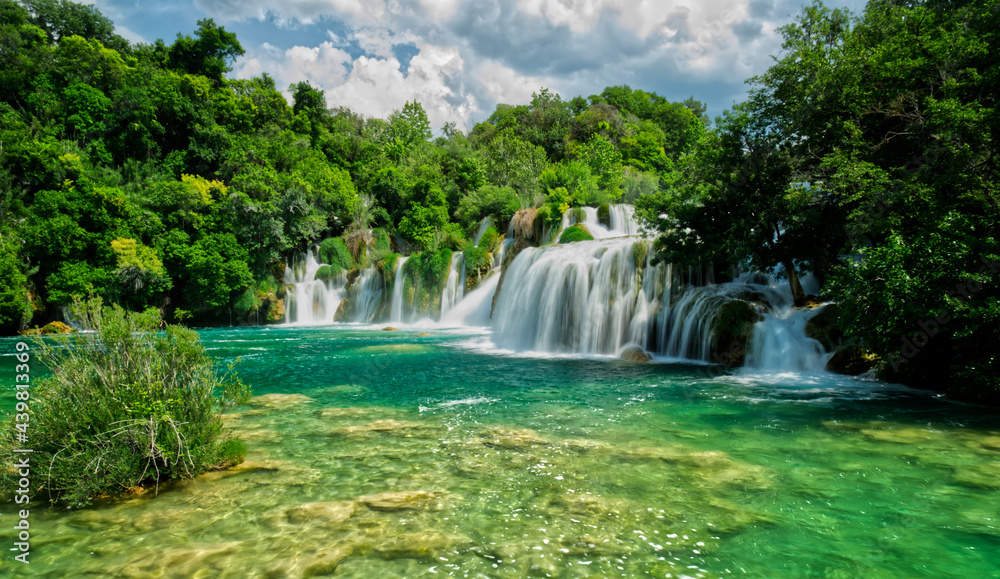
209 54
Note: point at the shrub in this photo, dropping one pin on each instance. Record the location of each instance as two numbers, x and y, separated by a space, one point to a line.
575 233
334 252
127 405
498 203
639 252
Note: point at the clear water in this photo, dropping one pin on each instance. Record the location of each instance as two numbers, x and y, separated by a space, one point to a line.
535 467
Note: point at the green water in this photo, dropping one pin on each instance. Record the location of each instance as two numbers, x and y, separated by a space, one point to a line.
509 466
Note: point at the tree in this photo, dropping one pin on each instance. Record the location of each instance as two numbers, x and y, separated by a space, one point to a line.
209 55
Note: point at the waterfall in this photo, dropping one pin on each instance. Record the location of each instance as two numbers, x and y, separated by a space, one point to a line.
396 311
587 297
454 289
483 226
577 297
366 295
311 301
474 310
779 343
622 221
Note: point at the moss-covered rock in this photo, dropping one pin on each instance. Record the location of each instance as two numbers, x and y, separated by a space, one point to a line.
55 328
343 310
732 327
825 328
334 252
325 273
639 252
852 360
604 215
578 232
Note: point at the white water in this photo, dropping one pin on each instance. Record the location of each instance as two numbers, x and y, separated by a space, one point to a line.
474 310
454 289
396 311
366 295
311 301
585 298
622 221
779 343
483 226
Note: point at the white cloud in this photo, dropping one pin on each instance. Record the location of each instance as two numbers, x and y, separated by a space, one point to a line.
305 11
377 86
371 86
505 85
323 65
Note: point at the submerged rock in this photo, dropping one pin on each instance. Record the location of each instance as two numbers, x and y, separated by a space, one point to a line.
326 513
510 438
420 545
634 353
279 401
390 329
402 500
983 476
388 425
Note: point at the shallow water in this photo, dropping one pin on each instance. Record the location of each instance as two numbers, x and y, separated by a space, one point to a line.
524 466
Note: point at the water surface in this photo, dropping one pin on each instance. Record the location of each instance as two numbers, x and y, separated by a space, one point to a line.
528 466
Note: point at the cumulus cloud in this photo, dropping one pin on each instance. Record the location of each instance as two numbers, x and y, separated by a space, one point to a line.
473 54
322 66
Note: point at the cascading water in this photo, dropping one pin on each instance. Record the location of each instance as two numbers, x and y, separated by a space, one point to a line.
587 297
779 343
366 295
621 221
454 289
311 300
396 310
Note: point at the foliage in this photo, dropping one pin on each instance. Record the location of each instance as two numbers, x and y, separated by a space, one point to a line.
498 203
133 403
334 252
575 233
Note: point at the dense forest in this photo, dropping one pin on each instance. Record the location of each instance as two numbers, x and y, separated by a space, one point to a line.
865 156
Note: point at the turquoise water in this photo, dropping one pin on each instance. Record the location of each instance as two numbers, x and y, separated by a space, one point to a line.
394 454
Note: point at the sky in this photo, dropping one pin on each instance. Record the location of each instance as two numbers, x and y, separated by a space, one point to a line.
460 58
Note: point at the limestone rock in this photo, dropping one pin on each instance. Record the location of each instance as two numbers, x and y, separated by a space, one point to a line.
326 513
825 328
279 401
851 361
510 438
634 353
390 329
401 500
983 476
420 545
56 328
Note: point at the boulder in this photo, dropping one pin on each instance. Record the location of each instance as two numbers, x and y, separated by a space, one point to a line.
825 329
578 232
634 353
731 331
852 361
390 329
343 310
55 328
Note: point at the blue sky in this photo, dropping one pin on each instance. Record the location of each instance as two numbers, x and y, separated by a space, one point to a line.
460 58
